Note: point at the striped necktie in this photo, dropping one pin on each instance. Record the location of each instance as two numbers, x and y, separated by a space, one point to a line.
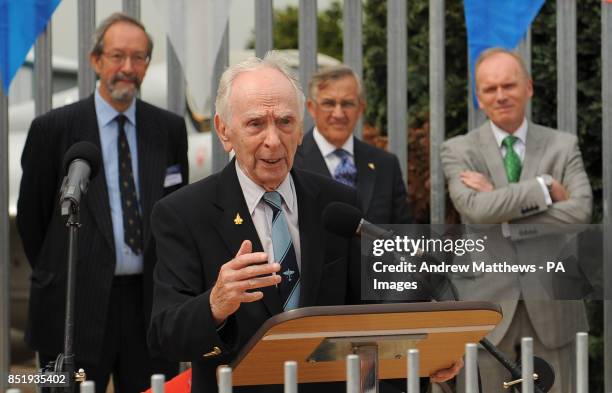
284 253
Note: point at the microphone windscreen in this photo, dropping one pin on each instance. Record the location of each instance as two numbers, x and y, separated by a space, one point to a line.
341 219
546 374
87 152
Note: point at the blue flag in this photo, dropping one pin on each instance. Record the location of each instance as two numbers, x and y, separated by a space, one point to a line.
21 21
497 23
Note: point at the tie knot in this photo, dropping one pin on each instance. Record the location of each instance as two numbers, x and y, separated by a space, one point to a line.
120 119
509 141
273 198
342 154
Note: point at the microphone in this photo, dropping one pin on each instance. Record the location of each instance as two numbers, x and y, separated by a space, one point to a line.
81 162
346 220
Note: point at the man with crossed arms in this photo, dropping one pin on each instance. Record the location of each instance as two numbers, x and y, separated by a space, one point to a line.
511 170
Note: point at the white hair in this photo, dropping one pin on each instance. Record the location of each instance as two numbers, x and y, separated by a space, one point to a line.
273 59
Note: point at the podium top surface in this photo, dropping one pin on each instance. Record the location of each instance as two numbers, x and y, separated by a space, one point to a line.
438 329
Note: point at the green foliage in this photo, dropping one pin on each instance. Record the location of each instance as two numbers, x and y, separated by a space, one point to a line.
375 65
544 73
329 30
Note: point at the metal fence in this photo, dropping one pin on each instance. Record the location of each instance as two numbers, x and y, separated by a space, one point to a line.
358 379
397 121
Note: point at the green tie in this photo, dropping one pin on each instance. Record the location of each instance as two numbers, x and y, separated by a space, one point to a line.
512 162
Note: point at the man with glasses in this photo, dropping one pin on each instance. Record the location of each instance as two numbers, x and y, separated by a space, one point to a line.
144 157
336 102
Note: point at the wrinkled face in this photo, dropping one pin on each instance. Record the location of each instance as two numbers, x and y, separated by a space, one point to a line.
264 128
122 65
503 91
337 109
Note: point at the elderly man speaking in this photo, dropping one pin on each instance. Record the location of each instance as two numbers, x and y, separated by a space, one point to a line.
247 243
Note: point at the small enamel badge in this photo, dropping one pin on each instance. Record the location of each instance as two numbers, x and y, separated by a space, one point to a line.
371 165
238 220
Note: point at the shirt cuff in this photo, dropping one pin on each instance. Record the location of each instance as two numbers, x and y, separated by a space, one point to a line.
505 228
547 197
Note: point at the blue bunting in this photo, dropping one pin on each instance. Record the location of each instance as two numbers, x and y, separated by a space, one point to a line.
21 21
497 23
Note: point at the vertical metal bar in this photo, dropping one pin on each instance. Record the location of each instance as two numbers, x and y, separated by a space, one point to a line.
471 368
176 81
397 64
437 128
582 362
307 44
606 179
264 23
524 50
368 359
566 66
413 371
291 377
157 383
353 377
43 92
132 8
88 387
527 364
476 117
5 268
86 10
225 379
352 43
219 156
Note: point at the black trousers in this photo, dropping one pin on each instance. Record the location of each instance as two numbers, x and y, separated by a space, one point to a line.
125 354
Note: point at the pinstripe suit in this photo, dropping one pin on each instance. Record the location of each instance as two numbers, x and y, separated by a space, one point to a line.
161 142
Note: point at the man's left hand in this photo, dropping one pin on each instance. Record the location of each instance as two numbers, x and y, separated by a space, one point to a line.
476 181
447 373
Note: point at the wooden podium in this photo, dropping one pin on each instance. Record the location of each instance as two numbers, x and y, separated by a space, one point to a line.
320 338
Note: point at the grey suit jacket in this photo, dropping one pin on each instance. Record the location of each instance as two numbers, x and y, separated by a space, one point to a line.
547 152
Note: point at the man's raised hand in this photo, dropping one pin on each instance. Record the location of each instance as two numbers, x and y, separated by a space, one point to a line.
248 270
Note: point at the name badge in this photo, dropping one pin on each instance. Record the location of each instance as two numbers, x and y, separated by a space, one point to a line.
173 176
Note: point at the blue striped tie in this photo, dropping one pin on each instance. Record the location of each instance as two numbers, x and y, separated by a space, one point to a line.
346 172
284 253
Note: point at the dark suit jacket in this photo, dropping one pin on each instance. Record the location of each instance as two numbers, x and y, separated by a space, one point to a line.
380 186
162 142
196 234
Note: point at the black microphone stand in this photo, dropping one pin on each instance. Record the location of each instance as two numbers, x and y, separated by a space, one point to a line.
514 369
64 363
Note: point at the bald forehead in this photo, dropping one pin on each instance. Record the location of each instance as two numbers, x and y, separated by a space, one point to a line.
506 60
264 81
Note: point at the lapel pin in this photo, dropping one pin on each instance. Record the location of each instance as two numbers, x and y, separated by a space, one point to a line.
238 220
371 165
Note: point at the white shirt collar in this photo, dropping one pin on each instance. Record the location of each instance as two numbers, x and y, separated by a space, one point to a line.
253 192
520 133
327 148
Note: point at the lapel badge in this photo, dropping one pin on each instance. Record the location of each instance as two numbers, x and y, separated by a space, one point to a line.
371 165
238 220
